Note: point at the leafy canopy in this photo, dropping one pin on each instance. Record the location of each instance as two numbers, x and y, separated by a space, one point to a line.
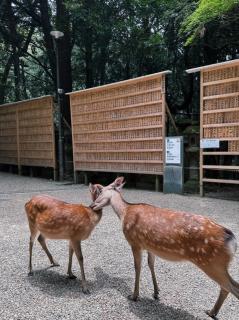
206 11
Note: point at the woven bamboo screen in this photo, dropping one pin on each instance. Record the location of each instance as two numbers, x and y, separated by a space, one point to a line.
27 133
120 127
220 117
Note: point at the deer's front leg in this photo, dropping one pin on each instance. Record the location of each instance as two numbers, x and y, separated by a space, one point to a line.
76 245
69 271
137 265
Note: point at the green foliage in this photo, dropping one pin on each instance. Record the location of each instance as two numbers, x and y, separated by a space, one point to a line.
206 11
113 40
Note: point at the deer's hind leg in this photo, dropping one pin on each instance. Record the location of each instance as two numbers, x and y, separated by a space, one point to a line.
69 271
76 245
221 298
42 242
151 261
33 235
219 273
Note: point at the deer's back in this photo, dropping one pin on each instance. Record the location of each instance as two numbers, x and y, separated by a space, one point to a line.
57 219
173 234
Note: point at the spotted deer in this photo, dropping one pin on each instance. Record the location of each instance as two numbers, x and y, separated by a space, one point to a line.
50 218
174 236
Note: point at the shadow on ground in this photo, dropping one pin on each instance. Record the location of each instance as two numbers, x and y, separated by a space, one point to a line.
55 284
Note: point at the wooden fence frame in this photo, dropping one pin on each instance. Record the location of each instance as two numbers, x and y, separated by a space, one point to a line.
21 125
225 78
78 101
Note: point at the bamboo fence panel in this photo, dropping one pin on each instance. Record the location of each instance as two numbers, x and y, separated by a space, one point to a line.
120 127
27 135
219 115
8 135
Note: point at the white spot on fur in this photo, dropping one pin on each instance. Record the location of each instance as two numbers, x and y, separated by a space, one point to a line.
206 241
182 251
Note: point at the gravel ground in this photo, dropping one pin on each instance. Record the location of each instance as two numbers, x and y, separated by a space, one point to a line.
185 292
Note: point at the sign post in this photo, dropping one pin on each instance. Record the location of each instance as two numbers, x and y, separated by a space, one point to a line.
173 170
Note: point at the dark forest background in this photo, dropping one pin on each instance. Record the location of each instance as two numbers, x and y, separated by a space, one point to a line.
112 40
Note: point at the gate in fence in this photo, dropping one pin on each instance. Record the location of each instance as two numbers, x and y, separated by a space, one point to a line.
27 135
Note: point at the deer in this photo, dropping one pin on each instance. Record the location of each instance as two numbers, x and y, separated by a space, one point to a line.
51 218
174 236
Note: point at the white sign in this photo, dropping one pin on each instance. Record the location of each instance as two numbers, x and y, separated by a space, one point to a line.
209 143
173 150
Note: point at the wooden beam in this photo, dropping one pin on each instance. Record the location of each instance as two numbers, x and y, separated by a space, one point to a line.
218 125
119 151
171 118
213 167
122 129
150 115
221 181
220 110
129 106
122 83
132 94
221 96
214 66
223 81
221 153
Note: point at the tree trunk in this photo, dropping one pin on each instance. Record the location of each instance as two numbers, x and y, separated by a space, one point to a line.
65 48
16 67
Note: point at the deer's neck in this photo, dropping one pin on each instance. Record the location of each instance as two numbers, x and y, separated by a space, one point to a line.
95 215
119 205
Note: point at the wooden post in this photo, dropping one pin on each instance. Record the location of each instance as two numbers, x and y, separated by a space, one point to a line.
18 145
201 135
76 180
157 183
54 174
163 123
85 179
171 118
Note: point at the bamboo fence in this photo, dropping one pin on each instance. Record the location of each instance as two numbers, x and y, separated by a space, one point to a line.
219 118
120 127
27 133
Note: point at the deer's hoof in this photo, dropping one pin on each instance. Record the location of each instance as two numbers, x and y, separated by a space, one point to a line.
72 276
210 314
30 274
55 264
156 296
132 297
86 291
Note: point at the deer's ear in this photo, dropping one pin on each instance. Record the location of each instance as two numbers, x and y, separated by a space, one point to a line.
95 189
92 188
119 181
120 187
